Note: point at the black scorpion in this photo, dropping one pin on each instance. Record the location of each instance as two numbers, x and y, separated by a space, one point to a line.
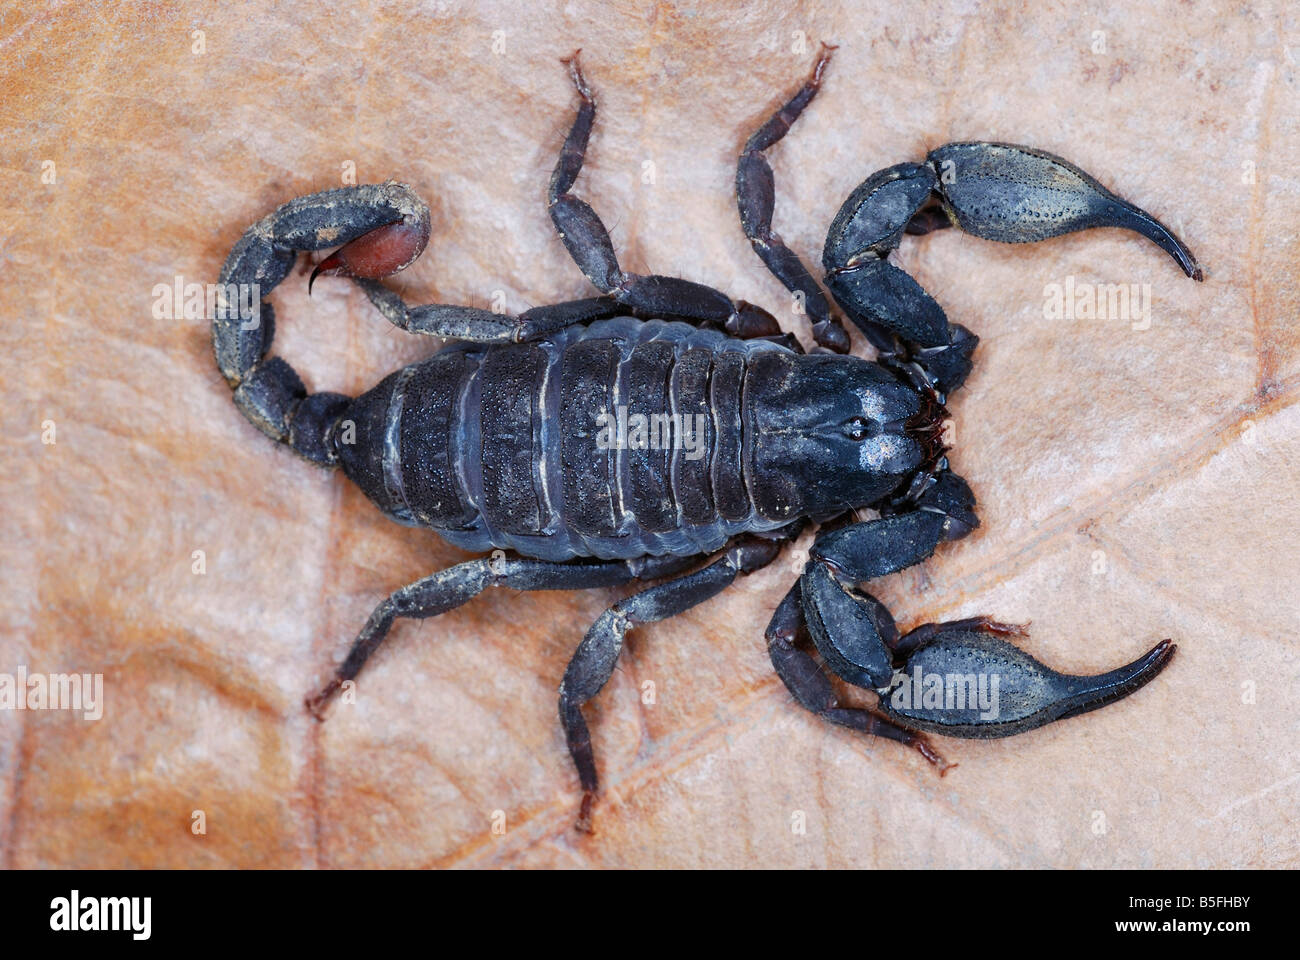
496 440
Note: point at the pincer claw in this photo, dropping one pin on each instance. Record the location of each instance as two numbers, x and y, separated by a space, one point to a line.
967 681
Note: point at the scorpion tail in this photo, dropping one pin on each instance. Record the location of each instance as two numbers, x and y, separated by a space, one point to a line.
382 228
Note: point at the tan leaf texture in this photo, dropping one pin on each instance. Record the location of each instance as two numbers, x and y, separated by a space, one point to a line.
1136 476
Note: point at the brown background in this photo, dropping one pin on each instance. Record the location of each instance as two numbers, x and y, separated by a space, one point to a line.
1134 484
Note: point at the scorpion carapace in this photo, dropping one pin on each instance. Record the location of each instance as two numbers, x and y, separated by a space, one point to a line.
664 431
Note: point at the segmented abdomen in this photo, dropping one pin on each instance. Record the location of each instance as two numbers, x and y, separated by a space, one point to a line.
616 440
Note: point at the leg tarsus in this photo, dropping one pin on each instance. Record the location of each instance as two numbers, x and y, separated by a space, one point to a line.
779 124
317 702
593 662
590 246
583 823
569 163
755 199
877 726
452 587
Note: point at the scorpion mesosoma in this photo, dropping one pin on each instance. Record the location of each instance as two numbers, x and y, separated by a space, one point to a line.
493 441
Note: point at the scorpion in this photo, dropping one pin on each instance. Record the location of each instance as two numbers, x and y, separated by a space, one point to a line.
492 442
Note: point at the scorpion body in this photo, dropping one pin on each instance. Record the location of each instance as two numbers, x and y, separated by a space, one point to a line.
508 446
500 446
514 436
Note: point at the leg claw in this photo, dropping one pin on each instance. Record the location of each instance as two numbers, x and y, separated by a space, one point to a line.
583 823
317 703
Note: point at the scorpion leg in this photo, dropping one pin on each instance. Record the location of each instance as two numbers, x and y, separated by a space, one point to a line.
454 586
483 326
996 191
593 663
756 196
589 244
451 321
811 687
